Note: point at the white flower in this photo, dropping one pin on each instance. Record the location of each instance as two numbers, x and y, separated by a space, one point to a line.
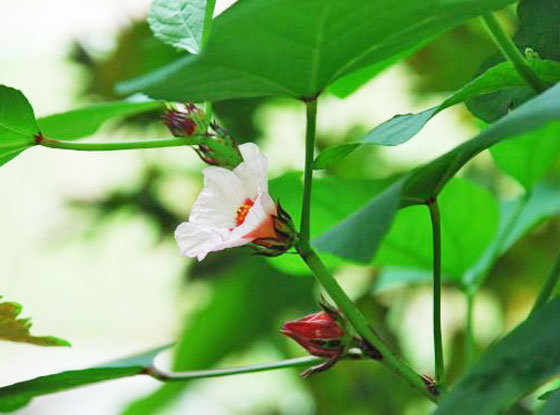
233 209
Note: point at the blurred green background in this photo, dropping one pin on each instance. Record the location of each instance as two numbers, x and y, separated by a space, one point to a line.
87 239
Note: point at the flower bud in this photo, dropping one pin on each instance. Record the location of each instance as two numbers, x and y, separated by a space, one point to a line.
219 148
280 237
320 334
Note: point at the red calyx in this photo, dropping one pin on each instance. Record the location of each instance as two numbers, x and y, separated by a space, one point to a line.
318 333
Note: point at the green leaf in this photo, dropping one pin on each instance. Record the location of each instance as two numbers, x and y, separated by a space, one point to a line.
358 236
517 218
402 128
17 330
538 31
511 368
17 123
464 235
529 157
297 48
83 122
18 395
178 23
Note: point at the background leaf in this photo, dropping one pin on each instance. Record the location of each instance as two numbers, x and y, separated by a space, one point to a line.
85 121
255 45
17 330
402 128
18 395
17 123
178 23
359 236
511 368
248 301
530 157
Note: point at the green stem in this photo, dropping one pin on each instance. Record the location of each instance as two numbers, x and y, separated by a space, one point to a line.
469 335
359 322
206 29
512 53
549 286
311 107
127 145
329 283
199 374
438 342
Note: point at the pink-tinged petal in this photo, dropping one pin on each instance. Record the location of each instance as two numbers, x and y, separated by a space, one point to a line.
217 204
196 241
259 222
253 171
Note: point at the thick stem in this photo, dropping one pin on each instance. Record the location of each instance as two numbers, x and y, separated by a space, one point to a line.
513 54
199 374
438 342
549 286
328 282
130 145
311 107
469 329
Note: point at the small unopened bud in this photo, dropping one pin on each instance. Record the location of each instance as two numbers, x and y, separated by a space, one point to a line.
282 235
185 120
318 333
218 149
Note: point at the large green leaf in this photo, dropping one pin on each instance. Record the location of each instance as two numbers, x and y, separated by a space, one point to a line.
18 395
16 329
402 128
297 48
83 122
528 158
464 235
359 236
17 123
538 31
511 368
248 298
178 23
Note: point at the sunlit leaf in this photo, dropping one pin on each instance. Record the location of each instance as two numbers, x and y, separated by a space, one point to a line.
359 236
511 368
17 123
85 121
17 329
297 48
18 395
178 23
528 158
402 128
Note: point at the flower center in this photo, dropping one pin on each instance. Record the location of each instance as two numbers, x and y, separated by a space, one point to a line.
242 211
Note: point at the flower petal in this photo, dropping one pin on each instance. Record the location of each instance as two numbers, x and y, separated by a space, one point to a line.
258 223
253 171
217 204
196 241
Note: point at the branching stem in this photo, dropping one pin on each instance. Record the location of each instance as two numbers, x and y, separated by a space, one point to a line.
512 53
126 145
549 286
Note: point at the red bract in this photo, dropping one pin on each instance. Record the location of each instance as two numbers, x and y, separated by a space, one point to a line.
318 333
